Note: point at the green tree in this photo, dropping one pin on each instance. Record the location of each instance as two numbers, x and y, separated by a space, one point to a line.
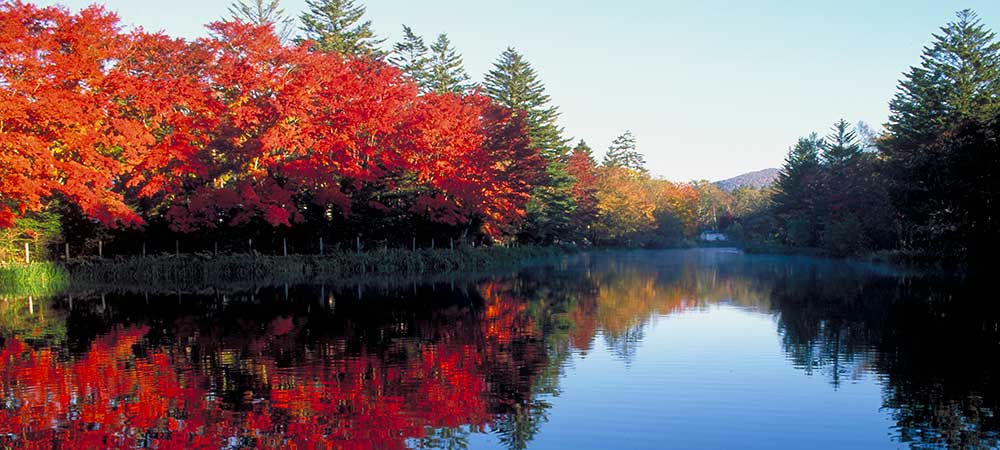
551 208
940 137
411 56
798 189
841 148
446 72
336 26
623 153
515 84
263 12
958 77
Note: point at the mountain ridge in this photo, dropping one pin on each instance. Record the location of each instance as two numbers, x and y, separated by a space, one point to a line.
756 179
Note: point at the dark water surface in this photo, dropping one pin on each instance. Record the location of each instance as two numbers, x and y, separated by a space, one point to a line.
673 349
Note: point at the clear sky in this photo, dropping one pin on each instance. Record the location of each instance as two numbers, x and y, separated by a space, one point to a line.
711 89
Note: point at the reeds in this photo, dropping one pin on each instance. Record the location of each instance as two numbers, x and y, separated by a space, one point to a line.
206 269
38 279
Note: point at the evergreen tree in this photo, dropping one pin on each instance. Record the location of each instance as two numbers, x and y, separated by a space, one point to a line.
841 148
445 70
797 190
959 77
514 83
263 12
623 153
336 26
410 56
940 117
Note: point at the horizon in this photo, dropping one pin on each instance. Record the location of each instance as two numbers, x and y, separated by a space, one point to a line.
833 63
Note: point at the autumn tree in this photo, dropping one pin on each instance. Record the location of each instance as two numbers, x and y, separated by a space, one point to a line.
337 26
583 169
625 208
91 116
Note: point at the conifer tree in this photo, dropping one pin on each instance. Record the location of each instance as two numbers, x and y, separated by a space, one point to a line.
841 148
410 56
336 26
514 83
940 107
445 69
958 78
263 12
798 190
623 153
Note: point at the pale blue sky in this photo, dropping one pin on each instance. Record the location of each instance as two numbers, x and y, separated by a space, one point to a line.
710 88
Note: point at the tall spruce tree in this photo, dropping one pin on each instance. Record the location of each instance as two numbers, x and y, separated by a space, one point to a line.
514 83
939 116
958 78
841 148
264 12
623 153
411 56
335 26
798 190
446 72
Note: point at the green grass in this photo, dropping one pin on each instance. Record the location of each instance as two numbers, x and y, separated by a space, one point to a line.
38 279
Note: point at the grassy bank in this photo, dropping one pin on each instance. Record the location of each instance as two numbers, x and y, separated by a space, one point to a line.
188 270
39 279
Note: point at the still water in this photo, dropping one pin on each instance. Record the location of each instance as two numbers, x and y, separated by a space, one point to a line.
673 349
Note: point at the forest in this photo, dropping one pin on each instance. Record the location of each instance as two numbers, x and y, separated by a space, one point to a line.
275 133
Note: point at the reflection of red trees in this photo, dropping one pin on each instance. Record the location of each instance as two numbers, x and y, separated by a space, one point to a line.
114 397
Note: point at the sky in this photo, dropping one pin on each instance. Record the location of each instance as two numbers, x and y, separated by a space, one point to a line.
711 89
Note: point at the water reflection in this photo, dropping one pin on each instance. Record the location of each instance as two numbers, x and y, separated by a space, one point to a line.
469 364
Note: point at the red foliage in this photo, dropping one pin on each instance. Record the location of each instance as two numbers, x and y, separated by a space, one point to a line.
237 127
581 166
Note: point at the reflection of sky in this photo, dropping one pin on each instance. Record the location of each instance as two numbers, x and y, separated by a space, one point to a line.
714 378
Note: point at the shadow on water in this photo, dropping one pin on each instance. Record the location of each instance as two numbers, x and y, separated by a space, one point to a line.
432 364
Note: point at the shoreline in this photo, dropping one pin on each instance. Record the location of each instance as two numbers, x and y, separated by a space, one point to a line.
173 271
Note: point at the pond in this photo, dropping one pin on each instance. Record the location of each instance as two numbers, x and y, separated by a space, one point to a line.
705 348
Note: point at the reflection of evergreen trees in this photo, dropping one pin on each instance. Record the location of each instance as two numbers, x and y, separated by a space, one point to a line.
933 343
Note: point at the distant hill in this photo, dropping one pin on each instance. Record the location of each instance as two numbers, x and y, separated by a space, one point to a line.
758 179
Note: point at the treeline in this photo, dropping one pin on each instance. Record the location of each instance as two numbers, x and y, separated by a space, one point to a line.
925 188
260 137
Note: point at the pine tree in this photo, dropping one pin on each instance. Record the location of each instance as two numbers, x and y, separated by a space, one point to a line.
445 69
514 83
798 190
410 56
841 148
263 12
952 96
959 77
622 153
335 26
